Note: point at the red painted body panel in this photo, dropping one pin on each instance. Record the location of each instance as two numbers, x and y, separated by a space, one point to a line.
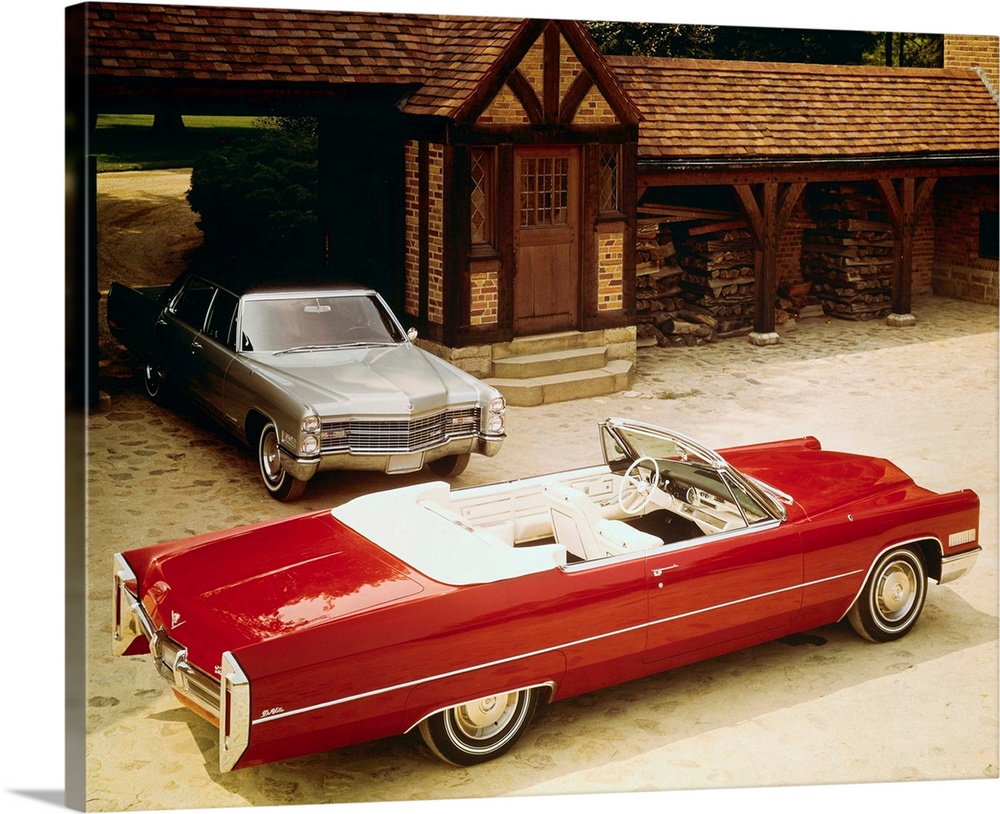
344 642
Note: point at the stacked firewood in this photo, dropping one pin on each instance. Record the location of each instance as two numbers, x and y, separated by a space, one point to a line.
657 292
848 256
717 259
797 300
694 277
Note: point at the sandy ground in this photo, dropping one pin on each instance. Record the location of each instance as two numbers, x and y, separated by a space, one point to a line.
822 708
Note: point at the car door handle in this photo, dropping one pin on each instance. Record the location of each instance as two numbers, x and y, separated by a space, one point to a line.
196 345
658 572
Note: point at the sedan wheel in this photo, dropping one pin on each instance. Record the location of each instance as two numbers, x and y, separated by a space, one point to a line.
152 379
480 730
450 466
281 485
893 596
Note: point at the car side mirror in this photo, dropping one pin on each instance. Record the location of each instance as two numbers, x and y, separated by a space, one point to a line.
412 334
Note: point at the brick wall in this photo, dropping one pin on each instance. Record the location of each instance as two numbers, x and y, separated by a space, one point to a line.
569 68
923 253
435 234
610 246
594 109
504 109
412 225
435 231
789 258
970 51
958 270
484 295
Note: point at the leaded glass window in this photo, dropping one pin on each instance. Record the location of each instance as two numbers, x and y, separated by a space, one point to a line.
609 178
481 203
544 191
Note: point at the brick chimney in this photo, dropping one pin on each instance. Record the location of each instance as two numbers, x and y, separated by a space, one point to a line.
975 51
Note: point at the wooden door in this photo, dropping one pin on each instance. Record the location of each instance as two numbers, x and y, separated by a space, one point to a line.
546 239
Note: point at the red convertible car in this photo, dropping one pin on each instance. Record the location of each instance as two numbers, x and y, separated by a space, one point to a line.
454 612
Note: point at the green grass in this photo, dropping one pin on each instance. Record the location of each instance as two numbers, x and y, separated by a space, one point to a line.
127 142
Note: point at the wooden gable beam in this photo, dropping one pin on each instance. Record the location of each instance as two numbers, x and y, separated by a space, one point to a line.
526 95
905 200
767 218
575 95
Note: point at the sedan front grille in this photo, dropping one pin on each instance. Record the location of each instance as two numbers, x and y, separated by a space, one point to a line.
380 437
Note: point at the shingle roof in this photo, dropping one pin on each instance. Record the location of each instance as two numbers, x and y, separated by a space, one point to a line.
443 57
701 109
691 109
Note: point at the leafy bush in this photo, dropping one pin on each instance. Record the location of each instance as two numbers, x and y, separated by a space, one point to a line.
258 199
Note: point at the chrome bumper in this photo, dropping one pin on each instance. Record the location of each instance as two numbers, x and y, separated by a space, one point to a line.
393 463
226 701
958 565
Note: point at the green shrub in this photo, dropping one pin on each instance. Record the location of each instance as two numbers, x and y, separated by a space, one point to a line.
258 200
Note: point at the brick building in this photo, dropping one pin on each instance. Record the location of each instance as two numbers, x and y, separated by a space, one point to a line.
499 180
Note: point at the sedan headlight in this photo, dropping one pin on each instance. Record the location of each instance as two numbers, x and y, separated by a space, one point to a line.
309 445
311 424
495 424
498 405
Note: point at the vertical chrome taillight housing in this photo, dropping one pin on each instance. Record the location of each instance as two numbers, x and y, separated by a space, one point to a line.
234 713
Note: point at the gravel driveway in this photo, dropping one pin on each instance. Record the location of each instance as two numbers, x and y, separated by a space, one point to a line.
822 708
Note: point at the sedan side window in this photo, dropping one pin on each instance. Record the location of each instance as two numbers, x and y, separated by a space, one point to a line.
191 306
222 320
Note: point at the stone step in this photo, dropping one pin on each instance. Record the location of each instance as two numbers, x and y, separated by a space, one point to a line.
533 365
612 378
547 343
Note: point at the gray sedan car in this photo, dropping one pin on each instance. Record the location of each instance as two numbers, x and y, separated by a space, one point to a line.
312 375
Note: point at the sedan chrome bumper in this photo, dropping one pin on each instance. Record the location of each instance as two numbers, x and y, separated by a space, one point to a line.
392 463
225 702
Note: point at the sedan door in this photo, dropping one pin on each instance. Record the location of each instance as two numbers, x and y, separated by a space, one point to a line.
177 330
212 352
736 584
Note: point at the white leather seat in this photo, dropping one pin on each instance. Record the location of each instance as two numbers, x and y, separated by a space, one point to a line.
577 525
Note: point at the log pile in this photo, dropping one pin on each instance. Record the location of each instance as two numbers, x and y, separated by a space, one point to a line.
848 257
717 260
657 290
797 300
694 277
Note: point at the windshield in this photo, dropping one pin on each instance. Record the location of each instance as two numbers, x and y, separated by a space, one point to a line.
688 470
653 443
310 323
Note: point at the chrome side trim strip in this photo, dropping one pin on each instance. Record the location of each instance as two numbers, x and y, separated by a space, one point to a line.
553 648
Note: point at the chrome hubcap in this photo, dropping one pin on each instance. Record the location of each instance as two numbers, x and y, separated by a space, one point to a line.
897 591
480 719
269 458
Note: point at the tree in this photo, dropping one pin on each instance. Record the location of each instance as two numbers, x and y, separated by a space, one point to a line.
792 45
751 44
258 200
908 50
652 39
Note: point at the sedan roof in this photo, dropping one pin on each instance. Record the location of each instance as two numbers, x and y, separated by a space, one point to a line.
243 281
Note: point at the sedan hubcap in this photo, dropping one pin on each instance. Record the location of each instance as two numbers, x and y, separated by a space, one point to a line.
269 458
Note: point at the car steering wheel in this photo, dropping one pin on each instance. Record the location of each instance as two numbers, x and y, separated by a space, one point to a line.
638 485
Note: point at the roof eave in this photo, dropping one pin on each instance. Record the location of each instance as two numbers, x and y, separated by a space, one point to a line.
972 158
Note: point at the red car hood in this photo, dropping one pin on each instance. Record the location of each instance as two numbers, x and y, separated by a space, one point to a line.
223 591
820 481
